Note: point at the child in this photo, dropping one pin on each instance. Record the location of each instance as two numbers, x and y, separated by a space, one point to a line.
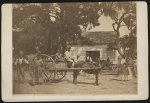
124 72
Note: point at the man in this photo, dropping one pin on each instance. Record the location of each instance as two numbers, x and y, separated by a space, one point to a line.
21 64
88 58
70 60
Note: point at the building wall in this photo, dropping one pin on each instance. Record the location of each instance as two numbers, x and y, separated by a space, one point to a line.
104 53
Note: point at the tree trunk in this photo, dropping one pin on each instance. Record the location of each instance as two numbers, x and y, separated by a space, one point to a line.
120 53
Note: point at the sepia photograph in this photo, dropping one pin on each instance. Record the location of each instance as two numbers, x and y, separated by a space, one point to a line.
71 47
82 48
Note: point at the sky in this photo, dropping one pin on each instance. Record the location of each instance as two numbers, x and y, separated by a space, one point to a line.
106 25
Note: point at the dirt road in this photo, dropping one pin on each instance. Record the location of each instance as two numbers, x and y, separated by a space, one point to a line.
108 84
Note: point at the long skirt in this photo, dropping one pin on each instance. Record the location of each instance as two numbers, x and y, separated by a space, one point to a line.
38 74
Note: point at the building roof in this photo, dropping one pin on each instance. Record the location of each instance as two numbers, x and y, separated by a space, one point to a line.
101 37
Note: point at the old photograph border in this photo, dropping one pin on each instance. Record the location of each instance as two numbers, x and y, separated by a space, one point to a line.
142 60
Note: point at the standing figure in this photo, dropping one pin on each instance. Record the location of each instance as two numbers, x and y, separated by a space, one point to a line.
70 60
37 50
88 58
108 63
38 70
124 72
21 63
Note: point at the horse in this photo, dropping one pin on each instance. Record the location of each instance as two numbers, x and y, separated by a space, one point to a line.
83 64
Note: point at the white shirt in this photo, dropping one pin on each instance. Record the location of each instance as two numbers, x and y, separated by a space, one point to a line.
89 58
68 56
20 60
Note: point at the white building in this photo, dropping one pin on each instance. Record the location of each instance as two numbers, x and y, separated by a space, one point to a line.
99 48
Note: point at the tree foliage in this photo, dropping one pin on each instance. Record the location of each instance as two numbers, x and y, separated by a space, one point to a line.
123 14
51 26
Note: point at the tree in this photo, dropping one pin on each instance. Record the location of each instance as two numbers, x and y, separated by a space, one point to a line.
52 25
123 14
127 46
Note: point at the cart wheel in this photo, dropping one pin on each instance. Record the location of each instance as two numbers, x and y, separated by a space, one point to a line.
48 63
55 76
50 72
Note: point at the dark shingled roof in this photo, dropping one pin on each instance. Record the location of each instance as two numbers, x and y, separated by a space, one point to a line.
101 37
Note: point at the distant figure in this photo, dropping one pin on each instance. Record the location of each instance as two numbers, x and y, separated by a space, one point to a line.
70 60
59 57
108 60
38 70
99 62
119 65
124 72
37 50
108 63
88 58
21 63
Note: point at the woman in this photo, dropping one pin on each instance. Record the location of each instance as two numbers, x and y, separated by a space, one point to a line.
38 70
124 72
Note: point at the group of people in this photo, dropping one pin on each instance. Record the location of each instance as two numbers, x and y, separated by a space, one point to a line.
123 70
71 61
22 63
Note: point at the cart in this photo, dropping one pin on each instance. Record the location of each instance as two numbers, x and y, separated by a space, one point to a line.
55 71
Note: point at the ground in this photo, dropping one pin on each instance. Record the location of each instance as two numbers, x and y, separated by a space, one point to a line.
108 84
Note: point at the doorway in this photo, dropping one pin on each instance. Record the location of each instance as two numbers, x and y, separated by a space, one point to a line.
95 55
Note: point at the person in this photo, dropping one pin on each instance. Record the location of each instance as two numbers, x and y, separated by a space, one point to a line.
21 63
38 70
70 60
37 50
76 72
59 57
124 72
88 58
108 63
99 62
108 60
77 58
119 66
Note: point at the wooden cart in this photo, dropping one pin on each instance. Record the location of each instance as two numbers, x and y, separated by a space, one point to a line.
55 71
